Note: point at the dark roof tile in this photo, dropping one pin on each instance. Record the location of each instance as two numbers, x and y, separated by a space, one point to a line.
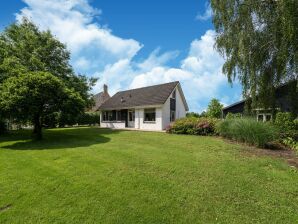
151 95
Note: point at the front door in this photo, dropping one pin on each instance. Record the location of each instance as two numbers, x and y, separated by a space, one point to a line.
131 118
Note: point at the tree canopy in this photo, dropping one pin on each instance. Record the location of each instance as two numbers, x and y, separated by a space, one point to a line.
36 78
31 96
214 109
259 40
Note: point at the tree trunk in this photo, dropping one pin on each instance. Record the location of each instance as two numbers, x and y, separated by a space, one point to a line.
37 131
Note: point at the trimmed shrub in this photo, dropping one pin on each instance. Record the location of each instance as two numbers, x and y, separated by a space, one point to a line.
247 130
193 126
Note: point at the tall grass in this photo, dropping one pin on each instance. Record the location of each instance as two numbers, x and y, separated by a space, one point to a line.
247 130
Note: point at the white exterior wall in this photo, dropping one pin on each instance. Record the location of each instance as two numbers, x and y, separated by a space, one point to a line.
119 125
162 116
105 124
155 126
139 121
180 109
166 114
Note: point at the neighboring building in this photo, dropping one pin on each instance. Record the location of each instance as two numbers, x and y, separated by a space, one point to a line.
286 101
147 108
234 108
100 98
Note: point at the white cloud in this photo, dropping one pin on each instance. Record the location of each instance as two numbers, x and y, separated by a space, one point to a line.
73 22
95 51
155 59
82 63
160 75
200 73
116 75
207 13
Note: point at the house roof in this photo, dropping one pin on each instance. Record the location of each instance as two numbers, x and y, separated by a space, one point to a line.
146 96
278 90
99 99
234 104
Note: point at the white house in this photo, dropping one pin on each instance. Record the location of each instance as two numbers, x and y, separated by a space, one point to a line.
147 108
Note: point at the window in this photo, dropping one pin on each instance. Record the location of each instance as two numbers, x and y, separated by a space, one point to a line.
172 115
110 116
105 116
268 117
264 117
149 115
260 117
131 115
118 115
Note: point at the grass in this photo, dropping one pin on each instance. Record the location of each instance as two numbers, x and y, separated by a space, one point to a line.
91 175
248 130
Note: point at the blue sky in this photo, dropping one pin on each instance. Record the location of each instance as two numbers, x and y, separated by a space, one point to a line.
130 44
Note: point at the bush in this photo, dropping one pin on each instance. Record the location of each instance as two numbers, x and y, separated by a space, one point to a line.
59 119
231 115
193 126
192 114
288 129
88 119
285 121
290 142
247 130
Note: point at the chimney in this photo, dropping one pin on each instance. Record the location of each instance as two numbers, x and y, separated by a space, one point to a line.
105 89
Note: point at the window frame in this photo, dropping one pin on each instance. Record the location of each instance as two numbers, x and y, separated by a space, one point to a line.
111 116
172 119
131 115
146 112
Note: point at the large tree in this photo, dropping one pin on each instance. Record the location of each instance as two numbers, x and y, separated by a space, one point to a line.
32 96
27 51
214 108
259 40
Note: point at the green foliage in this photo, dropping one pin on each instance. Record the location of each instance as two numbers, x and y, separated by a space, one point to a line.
233 115
32 96
247 130
193 126
192 114
285 121
288 129
51 120
56 119
26 53
96 175
203 114
214 109
88 119
259 41
290 142
3 127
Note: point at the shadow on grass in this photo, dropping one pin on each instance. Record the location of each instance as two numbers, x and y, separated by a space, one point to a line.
57 138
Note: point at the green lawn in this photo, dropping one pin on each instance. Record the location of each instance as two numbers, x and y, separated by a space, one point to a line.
91 175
